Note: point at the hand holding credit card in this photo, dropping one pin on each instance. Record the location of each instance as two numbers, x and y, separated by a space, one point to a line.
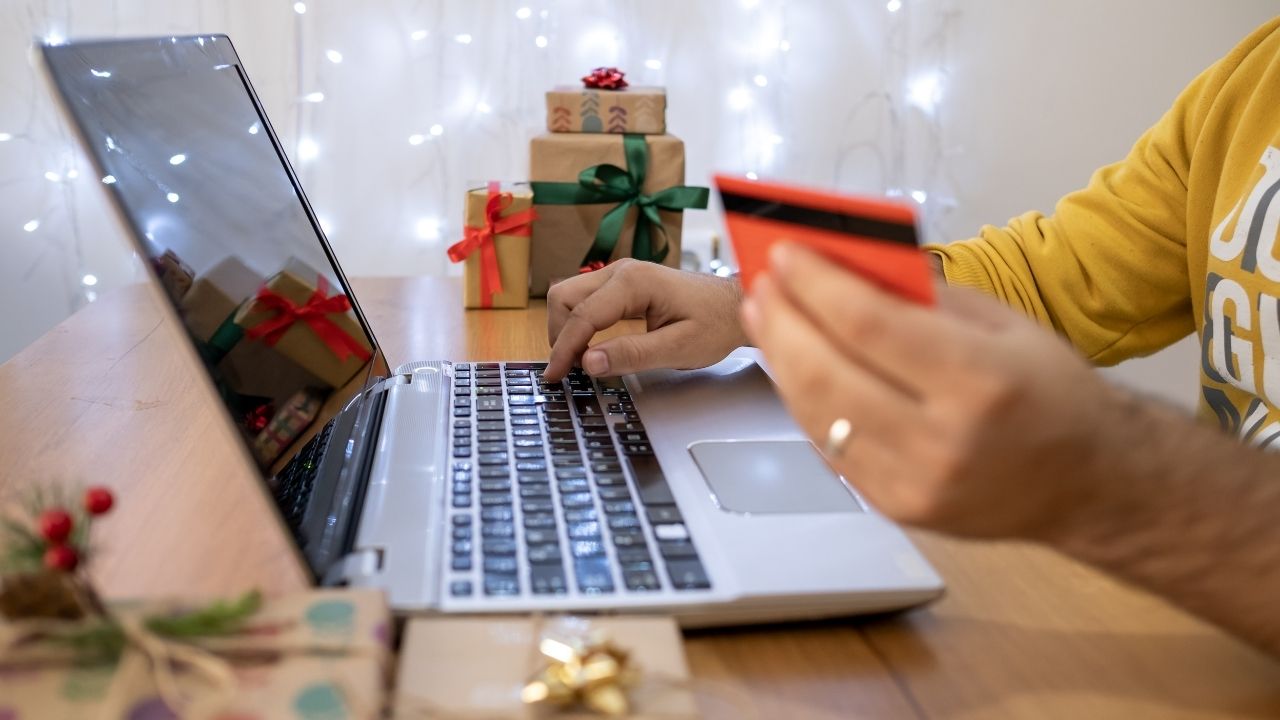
873 237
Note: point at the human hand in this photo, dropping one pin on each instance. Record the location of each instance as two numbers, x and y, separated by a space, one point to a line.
691 319
967 418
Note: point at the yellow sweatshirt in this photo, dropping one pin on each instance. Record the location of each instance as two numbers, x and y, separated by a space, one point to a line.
1179 236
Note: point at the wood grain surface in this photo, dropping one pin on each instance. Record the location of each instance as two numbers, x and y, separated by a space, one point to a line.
110 396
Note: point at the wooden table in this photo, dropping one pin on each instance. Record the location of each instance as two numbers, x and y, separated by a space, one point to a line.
1022 633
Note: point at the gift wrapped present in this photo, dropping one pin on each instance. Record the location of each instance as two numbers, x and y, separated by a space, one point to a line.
287 424
495 247
603 197
520 667
605 103
246 369
175 275
309 656
295 314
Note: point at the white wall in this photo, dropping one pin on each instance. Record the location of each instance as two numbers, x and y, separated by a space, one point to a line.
1032 96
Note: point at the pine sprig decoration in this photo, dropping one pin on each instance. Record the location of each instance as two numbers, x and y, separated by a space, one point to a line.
218 618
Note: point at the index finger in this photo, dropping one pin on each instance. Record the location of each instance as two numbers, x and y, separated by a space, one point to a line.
598 311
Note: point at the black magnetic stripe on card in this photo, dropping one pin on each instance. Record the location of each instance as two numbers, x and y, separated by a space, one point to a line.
821 219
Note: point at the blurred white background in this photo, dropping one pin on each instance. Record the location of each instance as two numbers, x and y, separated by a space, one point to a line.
978 109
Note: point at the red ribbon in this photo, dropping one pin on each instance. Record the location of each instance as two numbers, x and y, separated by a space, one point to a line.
257 419
605 78
592 266
481 238
315 313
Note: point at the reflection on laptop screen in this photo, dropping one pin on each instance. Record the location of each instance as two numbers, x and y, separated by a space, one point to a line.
174 128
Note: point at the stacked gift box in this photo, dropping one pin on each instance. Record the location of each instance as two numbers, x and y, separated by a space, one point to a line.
607 182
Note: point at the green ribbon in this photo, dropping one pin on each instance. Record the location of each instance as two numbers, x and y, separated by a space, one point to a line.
607 183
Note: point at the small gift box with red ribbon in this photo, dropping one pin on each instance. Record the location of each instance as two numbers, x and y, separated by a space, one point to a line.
606 103
298 313
495 246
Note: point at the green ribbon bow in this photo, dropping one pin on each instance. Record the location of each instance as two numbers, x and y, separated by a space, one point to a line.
607 183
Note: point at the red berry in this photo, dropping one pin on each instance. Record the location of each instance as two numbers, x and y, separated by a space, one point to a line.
98 500
55 525
61 557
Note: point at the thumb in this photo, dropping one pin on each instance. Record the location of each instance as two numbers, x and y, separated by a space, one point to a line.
661 348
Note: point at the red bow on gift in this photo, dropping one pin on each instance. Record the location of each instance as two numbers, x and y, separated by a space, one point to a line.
605 78
481 238
315 313
592 266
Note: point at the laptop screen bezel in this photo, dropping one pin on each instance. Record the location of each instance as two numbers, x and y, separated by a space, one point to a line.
135 234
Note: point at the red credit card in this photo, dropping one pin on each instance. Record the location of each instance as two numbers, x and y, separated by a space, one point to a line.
873 237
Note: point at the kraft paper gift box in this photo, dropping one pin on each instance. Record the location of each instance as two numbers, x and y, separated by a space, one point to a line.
566 227
309 656
327 341
476 667
249 369
511 247
175 275
633 109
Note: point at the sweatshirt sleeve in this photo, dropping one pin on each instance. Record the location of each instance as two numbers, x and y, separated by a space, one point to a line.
1108 270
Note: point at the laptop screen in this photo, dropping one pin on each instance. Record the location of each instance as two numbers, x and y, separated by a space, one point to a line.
216 210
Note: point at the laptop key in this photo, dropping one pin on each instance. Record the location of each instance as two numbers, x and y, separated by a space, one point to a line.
580 515
586 548
663 514
461 520
461 547
522 410
460 588
531 466
611 481
614 493
650 482
544 555
461 563
687 574
499 547
498 530
677 550
496 514
573 485
537 506
547 580
620 507
540 521
593 576
491 500
541 537
623 538
576 500
500 565
624 522
671 531
488 403
493 459
535 491
641 580
633 554
584 530
462 501
494 472
462 532
528 454
526 432
501 585
495 486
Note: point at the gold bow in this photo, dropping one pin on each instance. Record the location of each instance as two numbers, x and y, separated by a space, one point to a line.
584 669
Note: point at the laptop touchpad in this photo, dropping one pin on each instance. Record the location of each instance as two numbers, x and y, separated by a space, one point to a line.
771 476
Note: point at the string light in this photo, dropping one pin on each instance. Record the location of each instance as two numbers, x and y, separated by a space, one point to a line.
177 159
418 35
760 81
172 197
52 176
334 56
524 13
751 175
925 91
463 38
300 8
5 137
253 129
308 149
739 99
919 196
428 228
89 280
315 97
540 41
894 5
108 179
417 139
436 130
100 73
31 226
54 38
72 174
653 64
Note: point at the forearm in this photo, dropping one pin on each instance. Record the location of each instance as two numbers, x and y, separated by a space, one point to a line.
1187 513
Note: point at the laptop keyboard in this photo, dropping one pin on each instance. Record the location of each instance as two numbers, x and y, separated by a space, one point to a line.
294 483
540 502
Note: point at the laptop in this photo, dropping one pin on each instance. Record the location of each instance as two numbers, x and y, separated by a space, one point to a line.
457 487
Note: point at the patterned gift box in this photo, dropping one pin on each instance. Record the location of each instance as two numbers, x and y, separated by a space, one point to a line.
319 655
640 110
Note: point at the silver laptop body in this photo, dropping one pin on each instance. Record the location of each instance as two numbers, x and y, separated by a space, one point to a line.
460 487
